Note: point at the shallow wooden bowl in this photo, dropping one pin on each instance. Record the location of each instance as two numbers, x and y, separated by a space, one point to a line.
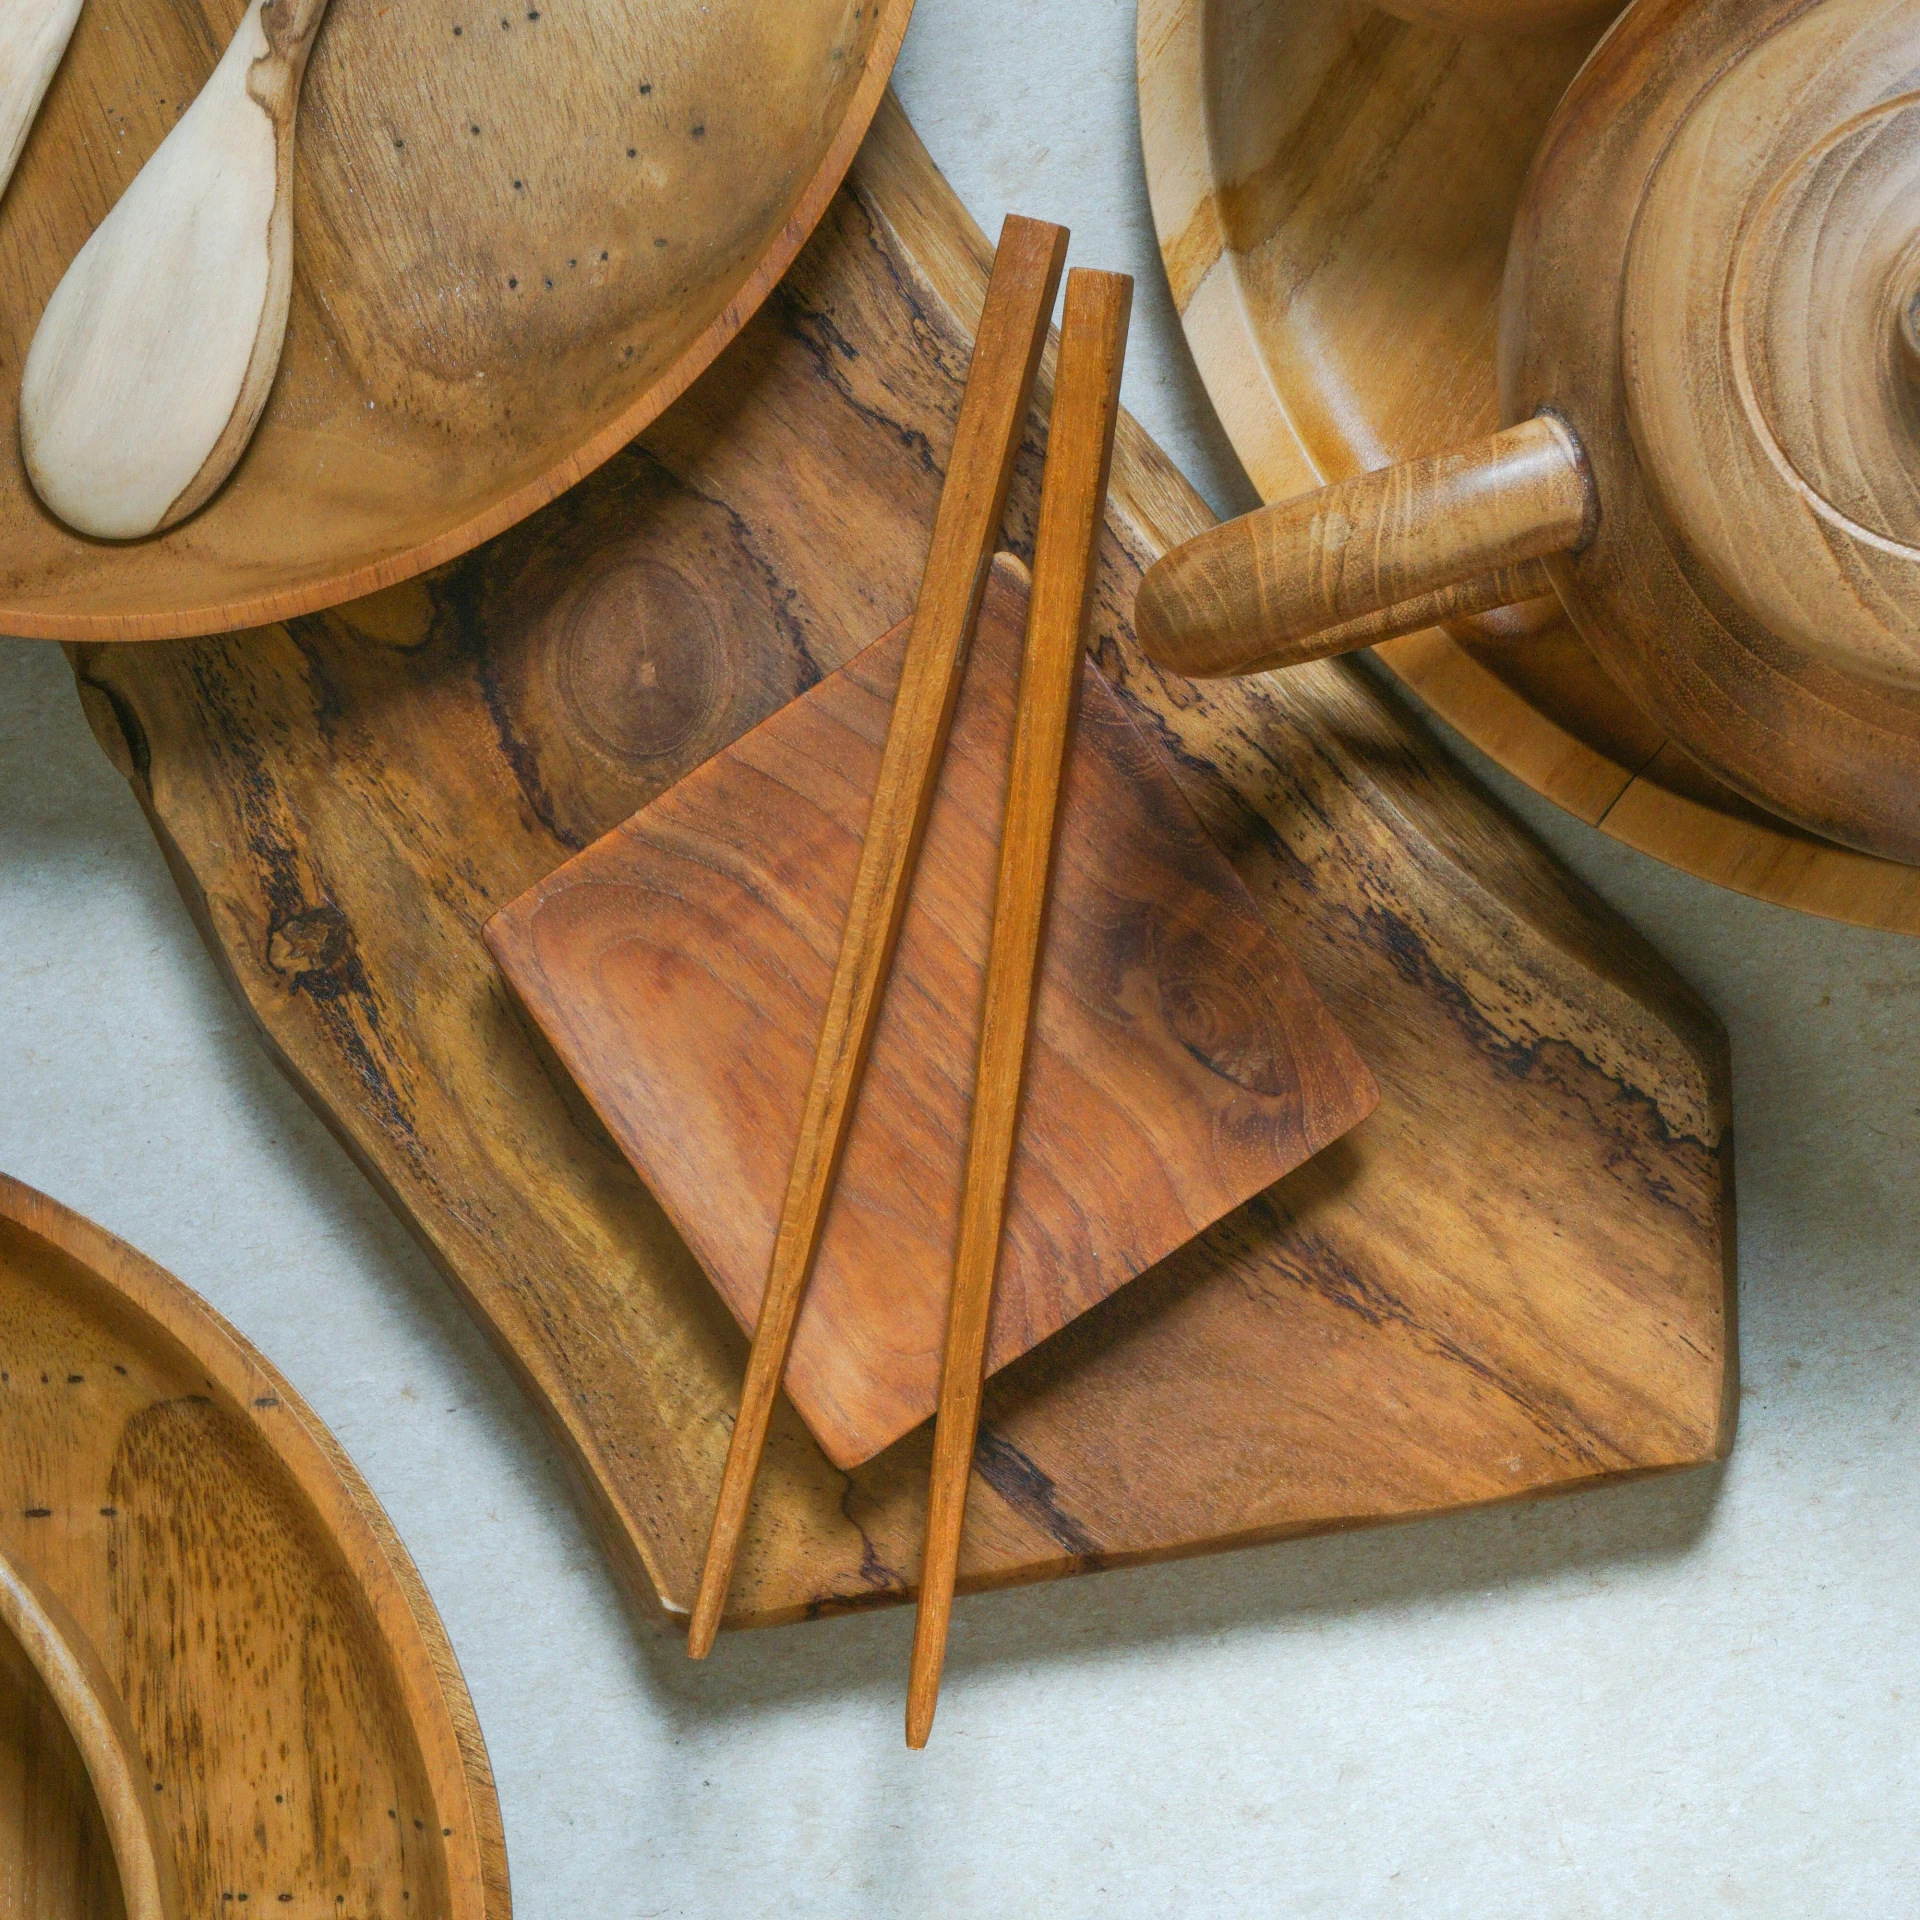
1333 190
223 1688
521 231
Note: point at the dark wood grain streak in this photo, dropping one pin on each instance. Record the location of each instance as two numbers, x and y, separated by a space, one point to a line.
1388 1332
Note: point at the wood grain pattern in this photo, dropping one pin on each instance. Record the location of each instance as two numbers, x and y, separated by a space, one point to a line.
520 235
1305 578
1066 559
681 967
1750 422
1333 193
966 529
1504 16
347 799
295 1727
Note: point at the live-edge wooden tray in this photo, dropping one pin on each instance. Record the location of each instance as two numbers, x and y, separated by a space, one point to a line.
1180 1062
1514 1279
292 1730
1333 189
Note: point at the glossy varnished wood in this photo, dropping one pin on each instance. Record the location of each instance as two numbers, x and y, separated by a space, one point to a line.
519 233
966 529
1066 561
1387 1332
681 969
1302 579
1333 192
229 1610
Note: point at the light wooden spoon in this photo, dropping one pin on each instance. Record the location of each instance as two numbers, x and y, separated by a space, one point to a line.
33 36
152 361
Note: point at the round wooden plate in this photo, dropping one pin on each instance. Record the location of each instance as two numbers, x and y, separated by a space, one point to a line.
241 1692
520 231
1333 190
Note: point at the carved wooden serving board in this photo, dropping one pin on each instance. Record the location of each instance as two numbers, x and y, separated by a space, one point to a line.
261 1657
1333 190
1514 1279
680 968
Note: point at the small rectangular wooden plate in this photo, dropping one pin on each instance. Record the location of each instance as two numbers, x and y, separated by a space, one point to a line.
1180 1063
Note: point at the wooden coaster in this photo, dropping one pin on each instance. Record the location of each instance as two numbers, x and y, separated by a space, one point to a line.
680 968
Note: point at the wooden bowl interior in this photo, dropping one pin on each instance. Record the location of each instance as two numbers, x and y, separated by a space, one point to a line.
519 231
263 1693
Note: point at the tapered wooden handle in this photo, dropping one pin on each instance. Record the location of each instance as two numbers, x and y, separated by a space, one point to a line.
966 528
81 1688
1365 559
1073 495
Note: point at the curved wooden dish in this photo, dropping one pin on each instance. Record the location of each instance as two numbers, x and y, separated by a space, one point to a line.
520 233
220 1676
1333 191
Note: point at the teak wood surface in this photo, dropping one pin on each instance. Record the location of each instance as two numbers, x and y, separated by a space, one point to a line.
1334 190
519 234
1066 563
680 970
235 1609
1391 1331
992 423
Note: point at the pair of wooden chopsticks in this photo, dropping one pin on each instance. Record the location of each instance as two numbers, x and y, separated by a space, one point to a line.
993 411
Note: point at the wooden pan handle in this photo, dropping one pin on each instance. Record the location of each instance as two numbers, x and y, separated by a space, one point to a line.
1365 559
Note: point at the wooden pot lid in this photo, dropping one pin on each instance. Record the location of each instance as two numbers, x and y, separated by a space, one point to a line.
1741 179
519 233
1334 191
221 1680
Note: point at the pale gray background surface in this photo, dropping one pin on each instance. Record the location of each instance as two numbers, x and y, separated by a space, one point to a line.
1689 1697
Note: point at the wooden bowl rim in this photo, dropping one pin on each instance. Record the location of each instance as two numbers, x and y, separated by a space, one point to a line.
439 1710
1764 858
353 582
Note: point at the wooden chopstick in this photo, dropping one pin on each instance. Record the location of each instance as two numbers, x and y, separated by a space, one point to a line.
1086 402
966 528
